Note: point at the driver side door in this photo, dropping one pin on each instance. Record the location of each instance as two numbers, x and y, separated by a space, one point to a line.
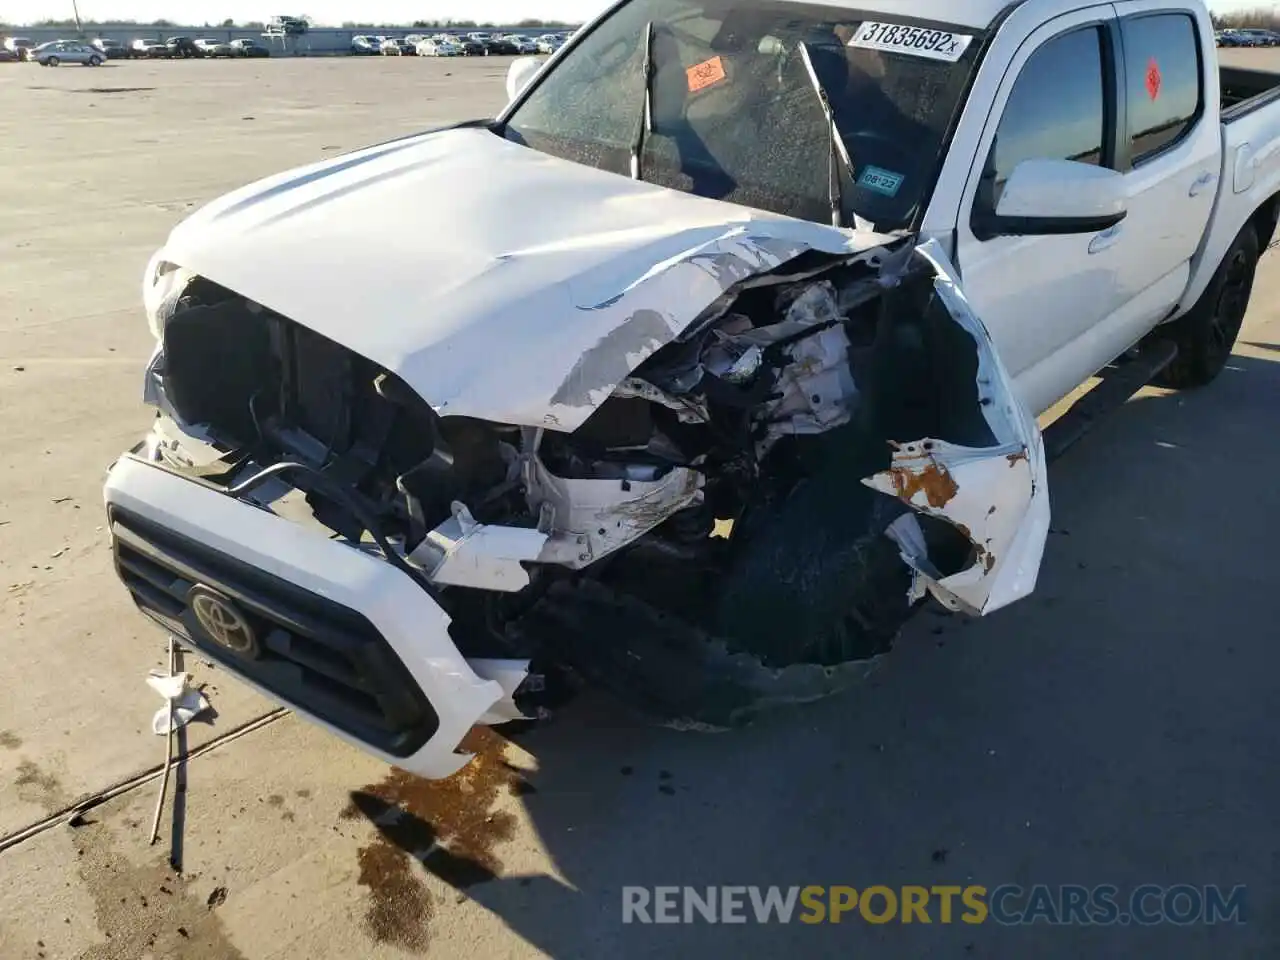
1043 297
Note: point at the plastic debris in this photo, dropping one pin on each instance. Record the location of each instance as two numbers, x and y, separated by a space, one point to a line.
188 702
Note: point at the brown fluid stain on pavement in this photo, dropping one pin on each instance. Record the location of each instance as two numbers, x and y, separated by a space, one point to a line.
39 786
9 740
145 909
449 826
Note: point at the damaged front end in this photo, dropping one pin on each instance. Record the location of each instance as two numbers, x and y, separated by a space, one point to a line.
730 510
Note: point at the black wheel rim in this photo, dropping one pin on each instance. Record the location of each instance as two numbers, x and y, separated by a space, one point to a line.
1233 301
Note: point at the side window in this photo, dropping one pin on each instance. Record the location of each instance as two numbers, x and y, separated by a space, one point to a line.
1165 93
1056 110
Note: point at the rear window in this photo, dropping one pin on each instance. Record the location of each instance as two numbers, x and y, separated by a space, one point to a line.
735 114
1165 97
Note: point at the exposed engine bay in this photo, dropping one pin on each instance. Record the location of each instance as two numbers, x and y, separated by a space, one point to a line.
760 503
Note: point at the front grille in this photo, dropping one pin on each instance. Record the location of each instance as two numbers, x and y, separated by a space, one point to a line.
313 652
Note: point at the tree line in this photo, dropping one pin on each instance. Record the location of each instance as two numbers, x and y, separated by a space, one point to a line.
1259 18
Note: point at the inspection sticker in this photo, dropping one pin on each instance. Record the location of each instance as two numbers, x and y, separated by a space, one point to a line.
705 74
912 41
880 180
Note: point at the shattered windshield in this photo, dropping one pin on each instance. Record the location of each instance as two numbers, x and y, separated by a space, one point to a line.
735 113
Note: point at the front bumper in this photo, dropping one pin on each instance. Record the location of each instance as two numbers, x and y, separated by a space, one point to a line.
344 638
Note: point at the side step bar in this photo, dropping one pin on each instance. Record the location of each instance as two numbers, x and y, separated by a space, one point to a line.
1120 381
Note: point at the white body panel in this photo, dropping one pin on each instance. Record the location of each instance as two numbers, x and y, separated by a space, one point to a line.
1037 294
1062 307
1250 177
412 623
999 496
581 297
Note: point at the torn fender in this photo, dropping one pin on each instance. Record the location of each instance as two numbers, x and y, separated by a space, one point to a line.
997 496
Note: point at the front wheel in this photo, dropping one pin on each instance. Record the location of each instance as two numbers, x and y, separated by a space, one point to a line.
1207 333
95 61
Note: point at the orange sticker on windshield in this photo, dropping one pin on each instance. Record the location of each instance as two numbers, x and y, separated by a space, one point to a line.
705 74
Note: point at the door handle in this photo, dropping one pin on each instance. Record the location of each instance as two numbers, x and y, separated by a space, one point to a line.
1202 183
1105 240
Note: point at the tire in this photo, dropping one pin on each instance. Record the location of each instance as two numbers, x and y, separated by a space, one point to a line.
1206 334
818 582
95 61
52 61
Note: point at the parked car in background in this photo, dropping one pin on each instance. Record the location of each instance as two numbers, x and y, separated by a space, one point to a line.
364 46
183 47
287 26
210 47
549 43
501 47
149 49
398 47
523 45
435 47
1260 38
472 47
1244 39
247 47
111 49
20 47
58 52
8 56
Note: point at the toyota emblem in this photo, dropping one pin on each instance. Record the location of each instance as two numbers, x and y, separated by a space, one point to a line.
223 621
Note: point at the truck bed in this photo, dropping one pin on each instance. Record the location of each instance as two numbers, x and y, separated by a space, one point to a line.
1249 182
1244 91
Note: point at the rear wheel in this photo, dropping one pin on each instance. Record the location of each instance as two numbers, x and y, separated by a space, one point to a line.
95 61
53 61
1207 333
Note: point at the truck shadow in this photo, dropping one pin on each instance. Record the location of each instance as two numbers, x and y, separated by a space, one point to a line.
1114 728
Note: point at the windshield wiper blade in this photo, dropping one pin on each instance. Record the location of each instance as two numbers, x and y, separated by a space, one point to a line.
645 126
839 150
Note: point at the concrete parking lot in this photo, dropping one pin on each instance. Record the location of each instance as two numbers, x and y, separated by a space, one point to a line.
1115 728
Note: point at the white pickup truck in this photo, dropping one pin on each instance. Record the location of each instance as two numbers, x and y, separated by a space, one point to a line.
732 351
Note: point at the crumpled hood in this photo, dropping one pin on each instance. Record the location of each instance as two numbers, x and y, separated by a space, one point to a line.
499 282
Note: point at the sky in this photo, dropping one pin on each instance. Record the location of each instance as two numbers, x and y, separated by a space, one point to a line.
334 12
323 12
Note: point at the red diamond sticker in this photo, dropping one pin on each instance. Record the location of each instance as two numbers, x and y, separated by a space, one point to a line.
1153 78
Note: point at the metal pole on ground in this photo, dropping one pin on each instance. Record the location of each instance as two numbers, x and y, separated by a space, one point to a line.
168 750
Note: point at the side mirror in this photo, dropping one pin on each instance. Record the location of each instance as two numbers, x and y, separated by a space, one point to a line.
522 71
1047 197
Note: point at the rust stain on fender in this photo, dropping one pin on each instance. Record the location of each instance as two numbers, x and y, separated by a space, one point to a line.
983 554
1016 458
934 481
